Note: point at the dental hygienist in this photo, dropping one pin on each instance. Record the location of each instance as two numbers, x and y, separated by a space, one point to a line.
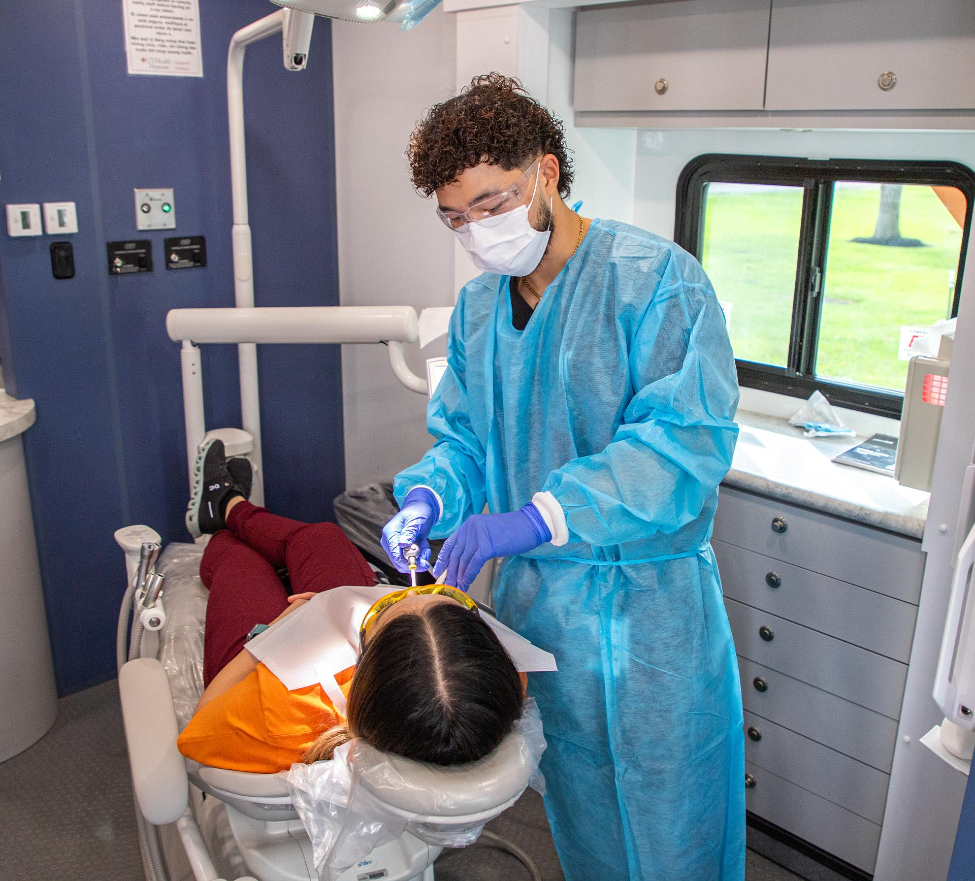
589 402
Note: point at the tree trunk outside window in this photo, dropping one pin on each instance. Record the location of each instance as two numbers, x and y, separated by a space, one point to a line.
887 230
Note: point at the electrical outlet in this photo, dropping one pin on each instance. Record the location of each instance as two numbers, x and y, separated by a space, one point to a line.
155 209
24 220
60 218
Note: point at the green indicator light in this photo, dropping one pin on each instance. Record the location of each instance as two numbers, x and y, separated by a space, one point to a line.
166 207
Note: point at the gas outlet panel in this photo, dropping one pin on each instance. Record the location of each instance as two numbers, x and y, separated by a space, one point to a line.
128 257
155 209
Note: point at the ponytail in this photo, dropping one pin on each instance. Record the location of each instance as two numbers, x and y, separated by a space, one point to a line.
326 743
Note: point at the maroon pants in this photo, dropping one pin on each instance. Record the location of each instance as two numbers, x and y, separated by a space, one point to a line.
239 568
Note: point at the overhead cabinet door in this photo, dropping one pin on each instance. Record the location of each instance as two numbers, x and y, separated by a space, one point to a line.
871 55
672 55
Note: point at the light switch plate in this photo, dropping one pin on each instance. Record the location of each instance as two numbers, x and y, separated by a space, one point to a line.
155 209
60 218
24 220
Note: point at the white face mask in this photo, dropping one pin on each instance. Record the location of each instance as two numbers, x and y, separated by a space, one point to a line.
507 244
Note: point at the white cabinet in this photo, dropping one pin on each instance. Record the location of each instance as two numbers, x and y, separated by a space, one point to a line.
889 55
678 55
822 611
679 63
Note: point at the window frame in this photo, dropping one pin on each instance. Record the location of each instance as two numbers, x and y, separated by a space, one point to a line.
816 178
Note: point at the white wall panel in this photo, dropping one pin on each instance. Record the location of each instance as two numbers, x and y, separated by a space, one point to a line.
392 248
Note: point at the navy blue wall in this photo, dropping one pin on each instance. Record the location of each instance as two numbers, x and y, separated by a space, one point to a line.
107 449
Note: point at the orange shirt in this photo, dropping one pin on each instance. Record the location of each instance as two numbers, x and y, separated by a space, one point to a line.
260 726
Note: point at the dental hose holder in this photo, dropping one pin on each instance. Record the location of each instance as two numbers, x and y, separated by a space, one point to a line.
151 611
142 546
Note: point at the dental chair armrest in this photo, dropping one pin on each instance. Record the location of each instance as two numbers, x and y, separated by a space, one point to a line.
151 729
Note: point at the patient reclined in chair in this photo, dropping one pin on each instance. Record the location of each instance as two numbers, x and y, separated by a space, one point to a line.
397 761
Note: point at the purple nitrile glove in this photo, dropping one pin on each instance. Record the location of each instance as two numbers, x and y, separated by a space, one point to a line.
484 536
412 525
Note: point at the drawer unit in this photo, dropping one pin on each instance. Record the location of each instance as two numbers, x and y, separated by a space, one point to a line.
863 677
829 826
822 611
863 617
825 718
816 768
879 561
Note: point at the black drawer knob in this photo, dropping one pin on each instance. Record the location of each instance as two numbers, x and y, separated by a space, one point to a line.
750 781
766 633
760 684
754 734
779 525
773 579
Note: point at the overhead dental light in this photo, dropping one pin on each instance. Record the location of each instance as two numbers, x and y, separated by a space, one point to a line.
346 10
369 12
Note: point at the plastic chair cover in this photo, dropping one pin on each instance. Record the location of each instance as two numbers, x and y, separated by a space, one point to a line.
345 820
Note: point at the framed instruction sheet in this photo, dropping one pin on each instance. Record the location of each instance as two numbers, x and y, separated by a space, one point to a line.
162 37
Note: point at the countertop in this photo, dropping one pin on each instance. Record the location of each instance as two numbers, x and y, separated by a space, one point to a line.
773 459
15 416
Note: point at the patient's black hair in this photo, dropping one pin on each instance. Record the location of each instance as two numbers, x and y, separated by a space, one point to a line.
434 685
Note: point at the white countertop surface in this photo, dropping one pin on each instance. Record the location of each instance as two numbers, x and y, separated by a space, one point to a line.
773 459
15 416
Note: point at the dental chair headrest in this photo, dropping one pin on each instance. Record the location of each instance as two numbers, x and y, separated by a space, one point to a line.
417 788
364 796
414 788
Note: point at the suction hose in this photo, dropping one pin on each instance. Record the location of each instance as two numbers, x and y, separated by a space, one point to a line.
492 840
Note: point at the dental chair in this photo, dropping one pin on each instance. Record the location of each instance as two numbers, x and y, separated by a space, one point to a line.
227 822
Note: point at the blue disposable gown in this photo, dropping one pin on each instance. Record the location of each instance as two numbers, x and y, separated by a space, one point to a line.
618 398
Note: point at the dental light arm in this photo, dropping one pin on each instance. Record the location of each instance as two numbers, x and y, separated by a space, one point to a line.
295 324
294 23
393 325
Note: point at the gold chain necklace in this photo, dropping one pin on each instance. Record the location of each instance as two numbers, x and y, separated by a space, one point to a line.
524 278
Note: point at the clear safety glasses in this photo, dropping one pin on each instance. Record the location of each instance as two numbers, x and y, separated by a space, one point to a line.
383 603
491 206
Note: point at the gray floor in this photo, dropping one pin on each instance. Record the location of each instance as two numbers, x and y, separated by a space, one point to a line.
66 811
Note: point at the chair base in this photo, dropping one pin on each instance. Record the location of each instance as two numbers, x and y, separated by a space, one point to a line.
279 850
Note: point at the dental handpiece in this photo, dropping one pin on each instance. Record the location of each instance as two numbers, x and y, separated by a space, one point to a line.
147 559
154 587
412 552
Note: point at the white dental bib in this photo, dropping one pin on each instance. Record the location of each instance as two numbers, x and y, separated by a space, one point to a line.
319 640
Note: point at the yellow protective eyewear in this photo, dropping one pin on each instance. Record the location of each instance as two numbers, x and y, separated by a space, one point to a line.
383 603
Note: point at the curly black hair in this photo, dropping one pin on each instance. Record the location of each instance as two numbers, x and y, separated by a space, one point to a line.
493 120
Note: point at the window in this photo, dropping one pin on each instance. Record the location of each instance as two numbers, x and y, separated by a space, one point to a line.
826 268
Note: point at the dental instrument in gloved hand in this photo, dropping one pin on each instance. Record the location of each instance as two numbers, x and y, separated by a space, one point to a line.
483 536
411 526
412 552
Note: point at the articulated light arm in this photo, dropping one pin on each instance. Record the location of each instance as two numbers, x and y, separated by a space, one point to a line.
246 327
295 324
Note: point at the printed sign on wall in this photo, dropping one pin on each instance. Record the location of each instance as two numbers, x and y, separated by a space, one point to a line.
162 37
910 337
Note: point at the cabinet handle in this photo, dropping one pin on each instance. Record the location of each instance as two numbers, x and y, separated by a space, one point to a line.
766 633
773 579
760 684
754 734
779 525
660 86
750 781
887 80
